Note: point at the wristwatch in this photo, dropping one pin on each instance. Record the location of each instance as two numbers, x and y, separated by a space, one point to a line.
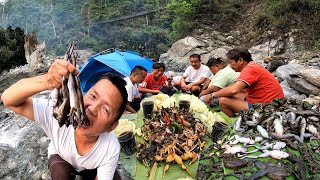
212 96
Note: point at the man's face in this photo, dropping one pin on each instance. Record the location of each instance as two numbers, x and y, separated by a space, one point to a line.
157 72
195 63
214 69
102 103
139 77
236 65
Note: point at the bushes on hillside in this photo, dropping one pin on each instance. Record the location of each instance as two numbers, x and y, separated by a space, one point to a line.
11 48
283 16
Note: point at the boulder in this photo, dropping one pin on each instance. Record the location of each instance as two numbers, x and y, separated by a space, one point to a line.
289 92
177 57
284 71
312 75
37 57
184 46
84 55
302 86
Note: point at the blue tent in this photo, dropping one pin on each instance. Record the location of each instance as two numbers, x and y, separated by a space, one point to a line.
117 62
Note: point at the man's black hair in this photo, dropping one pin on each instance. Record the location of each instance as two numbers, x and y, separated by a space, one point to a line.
138 69
214 61
120 84
236 53
158 66
195 56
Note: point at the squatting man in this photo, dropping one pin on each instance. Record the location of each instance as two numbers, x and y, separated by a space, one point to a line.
89 151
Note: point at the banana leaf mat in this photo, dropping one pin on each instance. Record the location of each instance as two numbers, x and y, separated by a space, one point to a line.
139 171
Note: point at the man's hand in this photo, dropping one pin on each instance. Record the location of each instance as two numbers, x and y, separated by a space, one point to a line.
202 93
208 98
57 70
189 86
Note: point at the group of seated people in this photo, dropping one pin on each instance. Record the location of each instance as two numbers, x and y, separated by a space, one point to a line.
233 84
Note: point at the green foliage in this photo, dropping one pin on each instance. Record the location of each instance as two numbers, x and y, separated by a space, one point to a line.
11 48
58 22
284 15
188 15
184 17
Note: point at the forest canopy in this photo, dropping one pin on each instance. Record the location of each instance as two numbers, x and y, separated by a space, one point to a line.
151 26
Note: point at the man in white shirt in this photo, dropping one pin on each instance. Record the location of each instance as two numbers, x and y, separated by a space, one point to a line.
194 76
138 74
74 151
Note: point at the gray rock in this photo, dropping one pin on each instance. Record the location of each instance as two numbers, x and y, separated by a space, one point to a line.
84 55
184 46
312 75
207 45
230 39
289 92
3 116
283 72
302 86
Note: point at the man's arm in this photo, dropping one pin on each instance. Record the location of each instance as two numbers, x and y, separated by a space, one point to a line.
18 97
183 81
196 83
231 90
146 90
206 84
129 108
211 89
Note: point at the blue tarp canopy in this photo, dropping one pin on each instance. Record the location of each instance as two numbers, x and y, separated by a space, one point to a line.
117 62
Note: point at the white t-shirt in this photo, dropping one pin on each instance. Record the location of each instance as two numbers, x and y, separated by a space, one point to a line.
131 89
194 75
103 156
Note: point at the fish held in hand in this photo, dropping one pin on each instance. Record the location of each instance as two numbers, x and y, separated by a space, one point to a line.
68 102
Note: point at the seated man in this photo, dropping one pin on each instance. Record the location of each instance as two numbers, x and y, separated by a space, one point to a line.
194 76
261 86
91 151
222 77
155 82
138 74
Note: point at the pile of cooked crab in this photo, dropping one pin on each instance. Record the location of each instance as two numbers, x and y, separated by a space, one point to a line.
171 136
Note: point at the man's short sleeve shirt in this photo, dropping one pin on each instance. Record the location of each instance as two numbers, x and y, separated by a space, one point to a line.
263 87
194 75
151 83
103 156
225 77
131 89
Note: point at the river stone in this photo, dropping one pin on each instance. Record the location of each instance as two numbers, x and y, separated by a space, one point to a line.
284 71
220 52
312 75
289 92
302 86
84 55
3 116
184 46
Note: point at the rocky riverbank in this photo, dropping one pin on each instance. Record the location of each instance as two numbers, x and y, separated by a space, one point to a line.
23 146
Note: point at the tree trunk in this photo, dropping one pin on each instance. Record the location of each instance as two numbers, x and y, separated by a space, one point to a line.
27 48
147 20
89 21
54 29
2 16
